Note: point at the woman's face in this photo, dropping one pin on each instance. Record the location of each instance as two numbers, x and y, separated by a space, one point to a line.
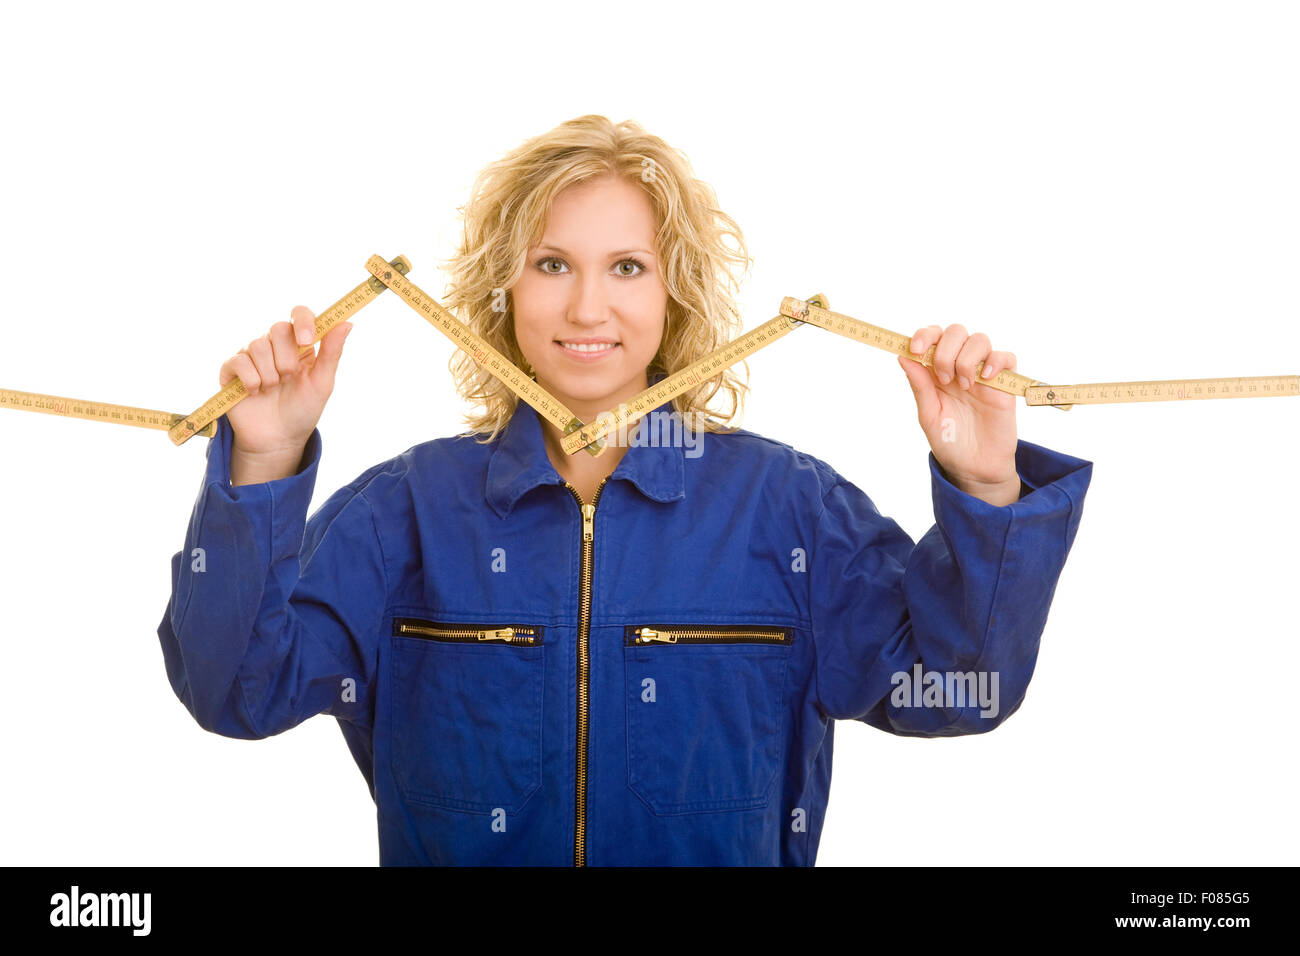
594 276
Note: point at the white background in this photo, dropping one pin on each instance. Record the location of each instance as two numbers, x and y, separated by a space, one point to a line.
1107 189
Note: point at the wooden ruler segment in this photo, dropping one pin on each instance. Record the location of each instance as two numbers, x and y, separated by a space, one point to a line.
233 392
94 411
547 405
1006 380
1057 396
695 374
1167 390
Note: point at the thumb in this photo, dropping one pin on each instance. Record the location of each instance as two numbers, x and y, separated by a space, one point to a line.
923 388
327 358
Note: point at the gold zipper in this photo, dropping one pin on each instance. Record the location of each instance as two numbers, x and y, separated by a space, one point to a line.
584 670
710 635
467 634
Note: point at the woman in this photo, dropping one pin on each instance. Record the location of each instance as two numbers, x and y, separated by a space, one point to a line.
636 658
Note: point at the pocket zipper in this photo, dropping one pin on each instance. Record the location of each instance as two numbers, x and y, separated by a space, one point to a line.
708 635
467 634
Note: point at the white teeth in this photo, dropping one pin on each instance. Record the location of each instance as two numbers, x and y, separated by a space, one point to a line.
588 348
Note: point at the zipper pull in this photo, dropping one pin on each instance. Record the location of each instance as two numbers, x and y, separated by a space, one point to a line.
647 634
588 522
501 634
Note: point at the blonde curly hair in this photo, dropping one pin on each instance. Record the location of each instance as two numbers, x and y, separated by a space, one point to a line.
506 215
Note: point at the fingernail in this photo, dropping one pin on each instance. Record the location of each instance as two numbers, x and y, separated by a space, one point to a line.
945 377
965 382
986 371
915 345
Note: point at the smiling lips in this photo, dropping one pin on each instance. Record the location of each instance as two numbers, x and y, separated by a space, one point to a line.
587 352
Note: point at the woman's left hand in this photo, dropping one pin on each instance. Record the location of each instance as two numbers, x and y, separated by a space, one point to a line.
971 427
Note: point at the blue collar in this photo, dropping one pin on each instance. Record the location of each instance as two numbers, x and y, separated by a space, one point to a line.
519 462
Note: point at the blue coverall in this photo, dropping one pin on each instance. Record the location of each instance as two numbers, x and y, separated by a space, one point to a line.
677 658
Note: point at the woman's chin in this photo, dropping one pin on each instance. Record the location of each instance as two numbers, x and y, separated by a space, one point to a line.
591 386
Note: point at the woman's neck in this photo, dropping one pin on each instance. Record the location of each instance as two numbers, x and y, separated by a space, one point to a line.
581 469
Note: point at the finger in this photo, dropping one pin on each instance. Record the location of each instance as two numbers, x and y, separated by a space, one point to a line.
304 325
973 351
264 360
240 366
923 338
924 390
327 360
950 343
995 363
284 350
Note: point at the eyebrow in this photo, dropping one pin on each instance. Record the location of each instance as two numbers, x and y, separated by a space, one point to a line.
620 252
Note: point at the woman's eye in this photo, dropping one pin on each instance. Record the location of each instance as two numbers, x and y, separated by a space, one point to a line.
547 260
632 262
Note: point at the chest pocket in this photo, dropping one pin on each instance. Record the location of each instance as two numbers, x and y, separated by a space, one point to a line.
705 714
466 712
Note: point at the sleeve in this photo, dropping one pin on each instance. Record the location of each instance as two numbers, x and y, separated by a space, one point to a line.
940 637
273 618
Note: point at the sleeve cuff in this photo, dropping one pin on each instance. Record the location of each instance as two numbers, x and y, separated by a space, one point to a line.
297 486
1038 467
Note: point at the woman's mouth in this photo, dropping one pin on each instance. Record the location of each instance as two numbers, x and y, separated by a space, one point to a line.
588 353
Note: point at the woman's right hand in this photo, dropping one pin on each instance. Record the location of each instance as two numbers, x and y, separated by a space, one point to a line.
286 394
